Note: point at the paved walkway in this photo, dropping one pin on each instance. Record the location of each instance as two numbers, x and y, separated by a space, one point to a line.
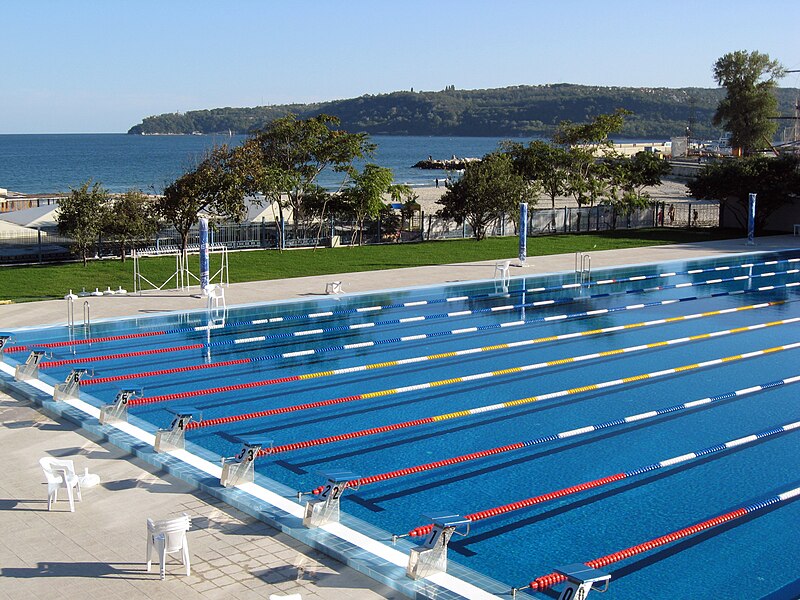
99 550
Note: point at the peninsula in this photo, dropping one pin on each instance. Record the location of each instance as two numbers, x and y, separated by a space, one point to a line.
517 111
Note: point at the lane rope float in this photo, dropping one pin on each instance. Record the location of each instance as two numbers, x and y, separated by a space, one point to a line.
570 433
386 341
589 313
143 400
546 581
430 357
283 318
514 403
596 483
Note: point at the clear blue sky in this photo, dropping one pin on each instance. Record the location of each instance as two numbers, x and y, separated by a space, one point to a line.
103 65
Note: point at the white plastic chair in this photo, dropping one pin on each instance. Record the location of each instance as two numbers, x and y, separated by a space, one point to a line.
333 287
60 475
168 537
503 270
216 294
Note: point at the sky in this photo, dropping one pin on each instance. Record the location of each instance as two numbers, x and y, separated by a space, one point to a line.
83 66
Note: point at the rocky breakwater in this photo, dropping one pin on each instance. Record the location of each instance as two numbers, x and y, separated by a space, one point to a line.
452 164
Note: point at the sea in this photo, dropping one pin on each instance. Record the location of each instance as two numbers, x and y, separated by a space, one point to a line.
50 163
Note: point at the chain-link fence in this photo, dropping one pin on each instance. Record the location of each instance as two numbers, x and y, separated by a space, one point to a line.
47 246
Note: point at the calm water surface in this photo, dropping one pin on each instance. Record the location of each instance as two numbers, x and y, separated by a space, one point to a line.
46 163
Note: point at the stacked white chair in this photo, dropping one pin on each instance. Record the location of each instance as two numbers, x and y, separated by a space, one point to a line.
60 475
168 537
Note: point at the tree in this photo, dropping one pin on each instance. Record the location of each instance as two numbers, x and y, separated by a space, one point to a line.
487 190
750 79
80 215
629 177
284 160
541 162
364 197
596 132
586 176
588 148
129 218
775 180
215 187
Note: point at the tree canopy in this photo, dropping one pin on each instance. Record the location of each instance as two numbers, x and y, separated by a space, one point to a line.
214 187
487 190
776 181
284 160
80 215
750 80
128 218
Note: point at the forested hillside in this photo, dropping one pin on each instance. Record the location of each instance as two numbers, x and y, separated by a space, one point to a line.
525 111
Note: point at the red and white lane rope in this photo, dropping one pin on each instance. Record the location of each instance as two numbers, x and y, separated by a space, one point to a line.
546 581
596 483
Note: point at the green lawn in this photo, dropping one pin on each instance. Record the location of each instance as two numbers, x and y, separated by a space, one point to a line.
26 283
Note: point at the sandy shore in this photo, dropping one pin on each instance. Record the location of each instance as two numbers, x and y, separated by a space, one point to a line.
668 191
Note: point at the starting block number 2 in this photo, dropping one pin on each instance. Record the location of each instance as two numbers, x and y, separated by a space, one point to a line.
332 491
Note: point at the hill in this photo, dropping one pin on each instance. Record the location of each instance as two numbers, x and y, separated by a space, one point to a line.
518 111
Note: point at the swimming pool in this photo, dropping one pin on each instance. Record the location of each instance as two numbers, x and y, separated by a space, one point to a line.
411 362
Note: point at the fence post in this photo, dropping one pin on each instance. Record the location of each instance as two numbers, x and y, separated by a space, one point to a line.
565 219
689 218
463 229
262 233
429 227
39 236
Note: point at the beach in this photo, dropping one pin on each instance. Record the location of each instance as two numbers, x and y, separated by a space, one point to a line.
669 191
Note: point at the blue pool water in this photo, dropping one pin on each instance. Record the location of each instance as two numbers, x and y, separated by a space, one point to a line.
749 558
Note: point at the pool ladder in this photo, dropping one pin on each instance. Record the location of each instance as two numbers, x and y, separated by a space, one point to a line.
87 319
583 268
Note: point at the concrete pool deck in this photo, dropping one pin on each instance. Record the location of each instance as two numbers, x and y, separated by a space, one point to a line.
233 554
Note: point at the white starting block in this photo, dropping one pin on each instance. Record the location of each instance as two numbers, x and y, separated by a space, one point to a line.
325 507
174 438
30 368
431 556
71 386
240 468
5 338
118 411
581 580
333 287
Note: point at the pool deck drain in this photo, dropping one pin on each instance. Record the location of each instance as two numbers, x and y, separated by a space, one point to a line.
97 548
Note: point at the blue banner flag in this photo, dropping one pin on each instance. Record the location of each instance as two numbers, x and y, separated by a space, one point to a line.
523 232
203 253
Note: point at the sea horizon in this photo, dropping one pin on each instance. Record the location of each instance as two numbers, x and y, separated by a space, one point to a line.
50 163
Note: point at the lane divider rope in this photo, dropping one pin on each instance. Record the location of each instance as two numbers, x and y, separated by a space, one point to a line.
430 357
129 336
520 402
546 581
145 400
596 483
570 433
133 354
